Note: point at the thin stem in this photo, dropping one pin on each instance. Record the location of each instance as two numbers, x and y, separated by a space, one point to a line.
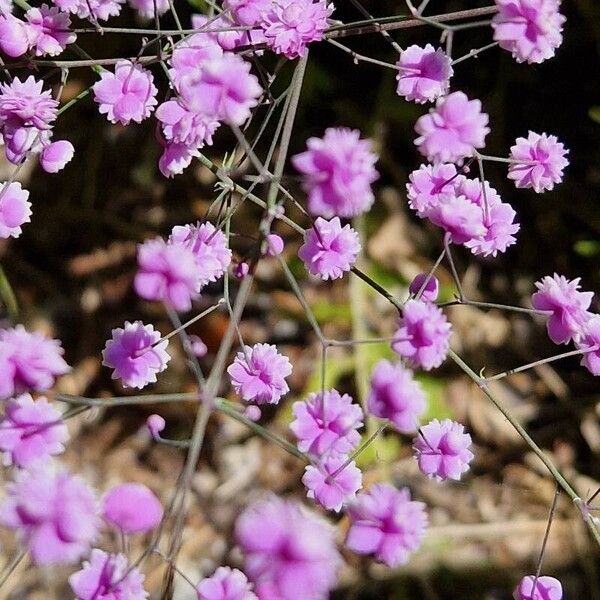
474 53
507 307
361 57
11 566
546 536
455 276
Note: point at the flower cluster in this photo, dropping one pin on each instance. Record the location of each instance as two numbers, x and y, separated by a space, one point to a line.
533 587
226 584
15 209
132 508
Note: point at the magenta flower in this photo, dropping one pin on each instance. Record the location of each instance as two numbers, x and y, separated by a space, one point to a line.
132 508
128 94
54 513
167 273
424 287
31 431
258 374
458 217
427 183
226 584
49 30
190 55
107 577
330 489
146 8
56 155
223 89
423 73
387 523
338 171
275 244
100 10
423 335
590 338
541 160
290 25
395 395
329 250
453 130
327 423
15 209
289 552
25 104
175 158
247 12
15 35
567 304
442 449
136 353
28 361
530 29
209 245
546 588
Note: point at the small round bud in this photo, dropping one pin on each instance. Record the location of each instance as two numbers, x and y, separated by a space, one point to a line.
241 270
274 245
430 291
155 424
56 155
252 412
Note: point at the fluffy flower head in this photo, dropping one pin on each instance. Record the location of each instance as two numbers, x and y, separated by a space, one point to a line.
15 209
49 30
25 104
226 584
132 508
590 338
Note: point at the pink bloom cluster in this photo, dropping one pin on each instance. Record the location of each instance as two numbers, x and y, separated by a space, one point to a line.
259 373
95 10
15 209
453 130
540 162
31 430
530 29
226 584
289 552
136 353
329 250
384 521
290 25
442 449
396 396
45 30
532 587
423 335
28 361
338 170
176 270
132 508
470 215
107 577
423 73
55 514
27 113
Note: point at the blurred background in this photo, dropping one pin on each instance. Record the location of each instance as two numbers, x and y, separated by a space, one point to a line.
71 273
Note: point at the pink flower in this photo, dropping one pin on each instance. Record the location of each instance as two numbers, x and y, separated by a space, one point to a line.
258 374
226 584
15 209
590 337
132 508
338 172
155 424
387 523
25 104
329 250
28 361
541 160
247 12
100 10
546 588
331 490
56 155
191 54
423 73
31 431
423 335
395 395
499 231
424 287
128 94
224 89
49 30
175 158
15 36
145 8
275 244
167 273
197 346
529 29
458 217
136 353
567 304
453 130
288 551
54 513
209 245
290 25
20 141
107 577
327 423
442 450
427 183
